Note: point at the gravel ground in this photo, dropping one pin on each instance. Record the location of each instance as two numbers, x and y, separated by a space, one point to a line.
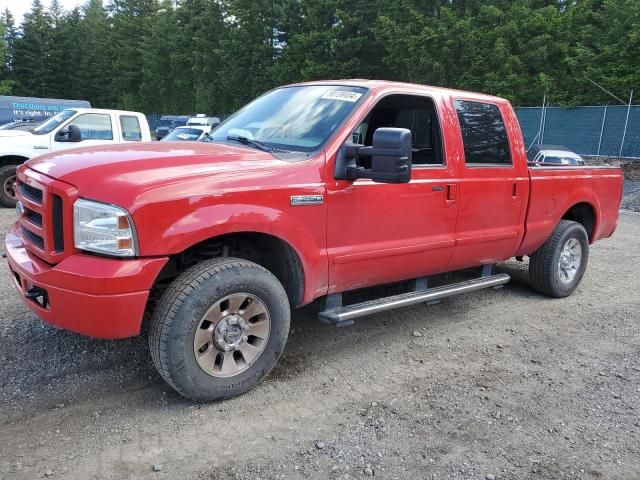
502 384
631 195
631 169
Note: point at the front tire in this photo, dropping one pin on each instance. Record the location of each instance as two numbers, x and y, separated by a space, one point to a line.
219 329
7 180
556 268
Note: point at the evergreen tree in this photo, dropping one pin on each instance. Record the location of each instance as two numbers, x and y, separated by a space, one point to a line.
5 83
95 74
32 63
196 56
8 37
130 34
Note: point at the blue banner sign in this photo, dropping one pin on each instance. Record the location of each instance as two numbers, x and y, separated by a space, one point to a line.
37 109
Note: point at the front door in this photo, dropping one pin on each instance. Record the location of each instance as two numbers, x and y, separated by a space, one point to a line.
381 233
96 129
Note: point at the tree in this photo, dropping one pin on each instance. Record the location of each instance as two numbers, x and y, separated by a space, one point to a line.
5 83
8 36
130 34
32 62
246 51
188 56
95 74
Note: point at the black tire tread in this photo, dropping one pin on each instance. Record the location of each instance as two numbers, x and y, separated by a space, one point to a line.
4 201
541 266
172 299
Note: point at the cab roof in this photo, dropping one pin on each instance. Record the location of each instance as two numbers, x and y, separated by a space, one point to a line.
386 85
104 110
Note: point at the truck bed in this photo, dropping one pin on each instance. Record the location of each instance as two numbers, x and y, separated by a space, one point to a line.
558 192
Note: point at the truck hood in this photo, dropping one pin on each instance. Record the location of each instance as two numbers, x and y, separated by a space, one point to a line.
5 134
121 173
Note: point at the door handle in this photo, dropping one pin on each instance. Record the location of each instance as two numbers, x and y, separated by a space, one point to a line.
452 194
515 192
437 188
452 191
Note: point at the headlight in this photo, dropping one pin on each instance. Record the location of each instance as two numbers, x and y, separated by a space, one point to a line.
103 228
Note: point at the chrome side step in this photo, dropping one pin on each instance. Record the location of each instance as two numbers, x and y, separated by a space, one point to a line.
341 316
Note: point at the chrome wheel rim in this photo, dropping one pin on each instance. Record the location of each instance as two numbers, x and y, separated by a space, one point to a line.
9 191
570 259
232 335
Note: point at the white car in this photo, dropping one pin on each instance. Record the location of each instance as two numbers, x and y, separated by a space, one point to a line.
553 155
202 119
71 128
191 133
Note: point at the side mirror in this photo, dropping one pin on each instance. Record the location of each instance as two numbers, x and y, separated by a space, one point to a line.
390 158
70 134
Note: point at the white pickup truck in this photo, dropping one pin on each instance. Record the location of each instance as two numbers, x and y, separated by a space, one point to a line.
72 128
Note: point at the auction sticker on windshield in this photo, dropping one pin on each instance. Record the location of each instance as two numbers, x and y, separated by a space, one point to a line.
344 95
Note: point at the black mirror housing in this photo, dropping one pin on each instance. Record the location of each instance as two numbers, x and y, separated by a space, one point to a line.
74 133
391 155
390 158
70 134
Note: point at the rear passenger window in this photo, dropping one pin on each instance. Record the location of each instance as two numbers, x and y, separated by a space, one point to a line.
483 133
130 126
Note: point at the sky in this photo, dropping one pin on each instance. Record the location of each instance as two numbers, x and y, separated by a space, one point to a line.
19 7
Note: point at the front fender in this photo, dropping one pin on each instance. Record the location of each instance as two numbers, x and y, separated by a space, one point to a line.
171 229
15 152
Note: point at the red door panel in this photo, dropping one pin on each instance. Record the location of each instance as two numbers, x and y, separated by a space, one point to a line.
489 217
381 233
492 203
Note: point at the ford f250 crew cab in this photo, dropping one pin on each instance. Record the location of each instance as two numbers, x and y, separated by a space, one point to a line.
71 128
309 191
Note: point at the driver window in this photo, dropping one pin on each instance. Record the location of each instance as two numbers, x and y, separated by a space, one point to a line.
415 113
94 126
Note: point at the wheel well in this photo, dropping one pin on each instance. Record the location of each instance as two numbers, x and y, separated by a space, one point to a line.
582 213
271 252
12 160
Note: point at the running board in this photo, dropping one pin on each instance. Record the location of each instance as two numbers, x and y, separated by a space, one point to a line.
341 316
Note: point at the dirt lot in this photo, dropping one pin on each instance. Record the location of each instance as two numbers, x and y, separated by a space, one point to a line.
499 384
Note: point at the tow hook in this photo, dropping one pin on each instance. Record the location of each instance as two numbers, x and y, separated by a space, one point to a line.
38 295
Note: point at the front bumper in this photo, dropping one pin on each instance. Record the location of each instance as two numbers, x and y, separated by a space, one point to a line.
87 294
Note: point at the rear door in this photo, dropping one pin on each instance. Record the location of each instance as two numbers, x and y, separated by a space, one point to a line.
494 183
130 129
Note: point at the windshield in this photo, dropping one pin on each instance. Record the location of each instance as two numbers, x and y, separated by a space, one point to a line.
183 135
53 122
292 118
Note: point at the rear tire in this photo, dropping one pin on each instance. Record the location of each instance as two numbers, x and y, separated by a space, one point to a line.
219 329
7 179
557 267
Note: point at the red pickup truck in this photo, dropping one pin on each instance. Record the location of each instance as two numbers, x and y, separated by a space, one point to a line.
309 191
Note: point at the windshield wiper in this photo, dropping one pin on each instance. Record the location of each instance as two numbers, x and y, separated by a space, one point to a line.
250 142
